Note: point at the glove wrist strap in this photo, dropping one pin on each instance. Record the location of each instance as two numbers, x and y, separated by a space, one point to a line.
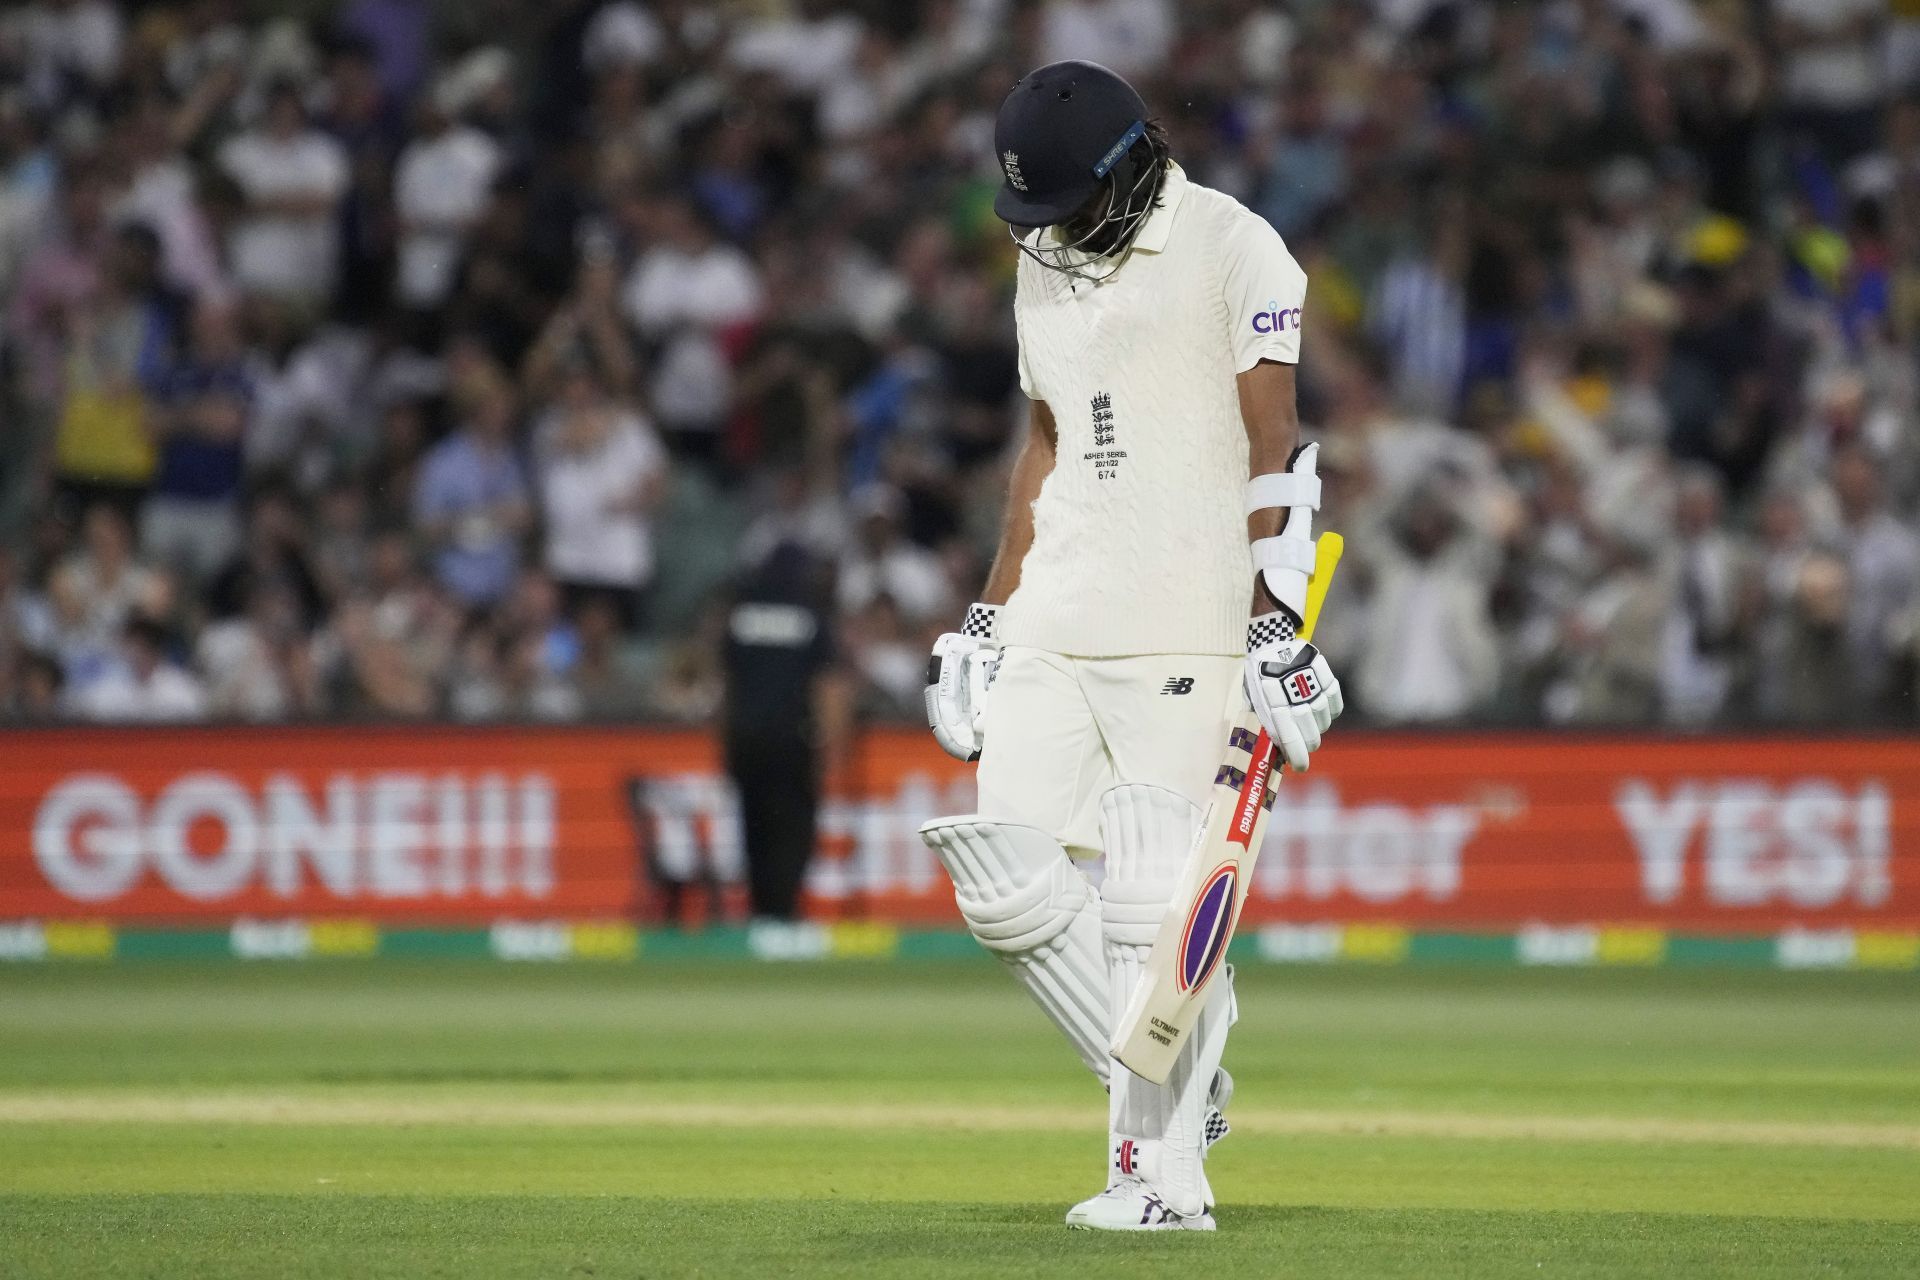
1270 628
982 622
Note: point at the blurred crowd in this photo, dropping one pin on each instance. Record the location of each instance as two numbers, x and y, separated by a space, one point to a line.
395 358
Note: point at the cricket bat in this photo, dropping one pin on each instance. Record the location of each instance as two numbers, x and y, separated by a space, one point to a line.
1192 942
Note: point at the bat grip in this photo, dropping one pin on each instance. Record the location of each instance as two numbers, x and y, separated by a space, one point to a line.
1327 550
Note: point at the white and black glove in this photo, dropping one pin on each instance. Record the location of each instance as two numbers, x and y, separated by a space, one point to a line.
959 674
1290 686
1292 692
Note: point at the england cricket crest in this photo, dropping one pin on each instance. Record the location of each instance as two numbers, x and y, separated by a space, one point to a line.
1209 924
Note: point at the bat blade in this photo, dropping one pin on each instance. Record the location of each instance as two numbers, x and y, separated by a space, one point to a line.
1191 945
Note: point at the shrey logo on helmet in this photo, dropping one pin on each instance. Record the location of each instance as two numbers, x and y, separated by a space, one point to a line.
1011 163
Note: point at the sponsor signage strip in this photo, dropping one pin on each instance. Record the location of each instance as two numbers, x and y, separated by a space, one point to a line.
1430 836
1363 943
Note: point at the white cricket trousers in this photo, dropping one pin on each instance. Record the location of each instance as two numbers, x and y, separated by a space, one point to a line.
1061 730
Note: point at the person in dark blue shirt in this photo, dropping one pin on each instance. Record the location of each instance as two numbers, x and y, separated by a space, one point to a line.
200 406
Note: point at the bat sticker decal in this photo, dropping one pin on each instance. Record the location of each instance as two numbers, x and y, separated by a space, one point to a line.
1204 939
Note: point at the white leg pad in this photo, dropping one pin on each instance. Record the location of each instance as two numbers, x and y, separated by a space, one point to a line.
1157 1130
1026 902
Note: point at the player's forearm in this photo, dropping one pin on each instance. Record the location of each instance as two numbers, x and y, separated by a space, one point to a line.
1030 471
1272 420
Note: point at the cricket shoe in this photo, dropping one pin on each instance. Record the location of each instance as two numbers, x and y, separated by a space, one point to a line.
1131 1205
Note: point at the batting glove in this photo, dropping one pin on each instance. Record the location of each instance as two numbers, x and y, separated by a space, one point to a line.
1292 690
959 674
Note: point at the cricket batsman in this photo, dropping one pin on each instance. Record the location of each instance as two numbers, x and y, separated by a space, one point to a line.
1151 575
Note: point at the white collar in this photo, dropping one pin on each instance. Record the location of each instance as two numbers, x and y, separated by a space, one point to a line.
1159 224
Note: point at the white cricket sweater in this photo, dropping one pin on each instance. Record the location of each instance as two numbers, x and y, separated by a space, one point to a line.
1140 531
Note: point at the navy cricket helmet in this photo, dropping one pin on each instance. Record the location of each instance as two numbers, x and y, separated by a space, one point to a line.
1059 134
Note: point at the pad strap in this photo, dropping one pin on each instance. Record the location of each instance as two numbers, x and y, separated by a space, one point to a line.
1283 489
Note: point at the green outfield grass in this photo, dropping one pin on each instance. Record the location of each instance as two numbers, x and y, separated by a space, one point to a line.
477 1120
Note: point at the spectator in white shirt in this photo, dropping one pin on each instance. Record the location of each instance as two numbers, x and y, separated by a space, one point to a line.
688 277
1713 569
885 563
807 48
1134 37
601 472
98 588
440 189
144 685
1883 562
256 665
685 289
286 243
68 40
1831 70
1431 654
160 192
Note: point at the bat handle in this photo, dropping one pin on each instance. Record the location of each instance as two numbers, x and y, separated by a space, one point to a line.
1327 549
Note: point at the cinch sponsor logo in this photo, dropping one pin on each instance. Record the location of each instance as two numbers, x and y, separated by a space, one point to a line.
1277 319
207 836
